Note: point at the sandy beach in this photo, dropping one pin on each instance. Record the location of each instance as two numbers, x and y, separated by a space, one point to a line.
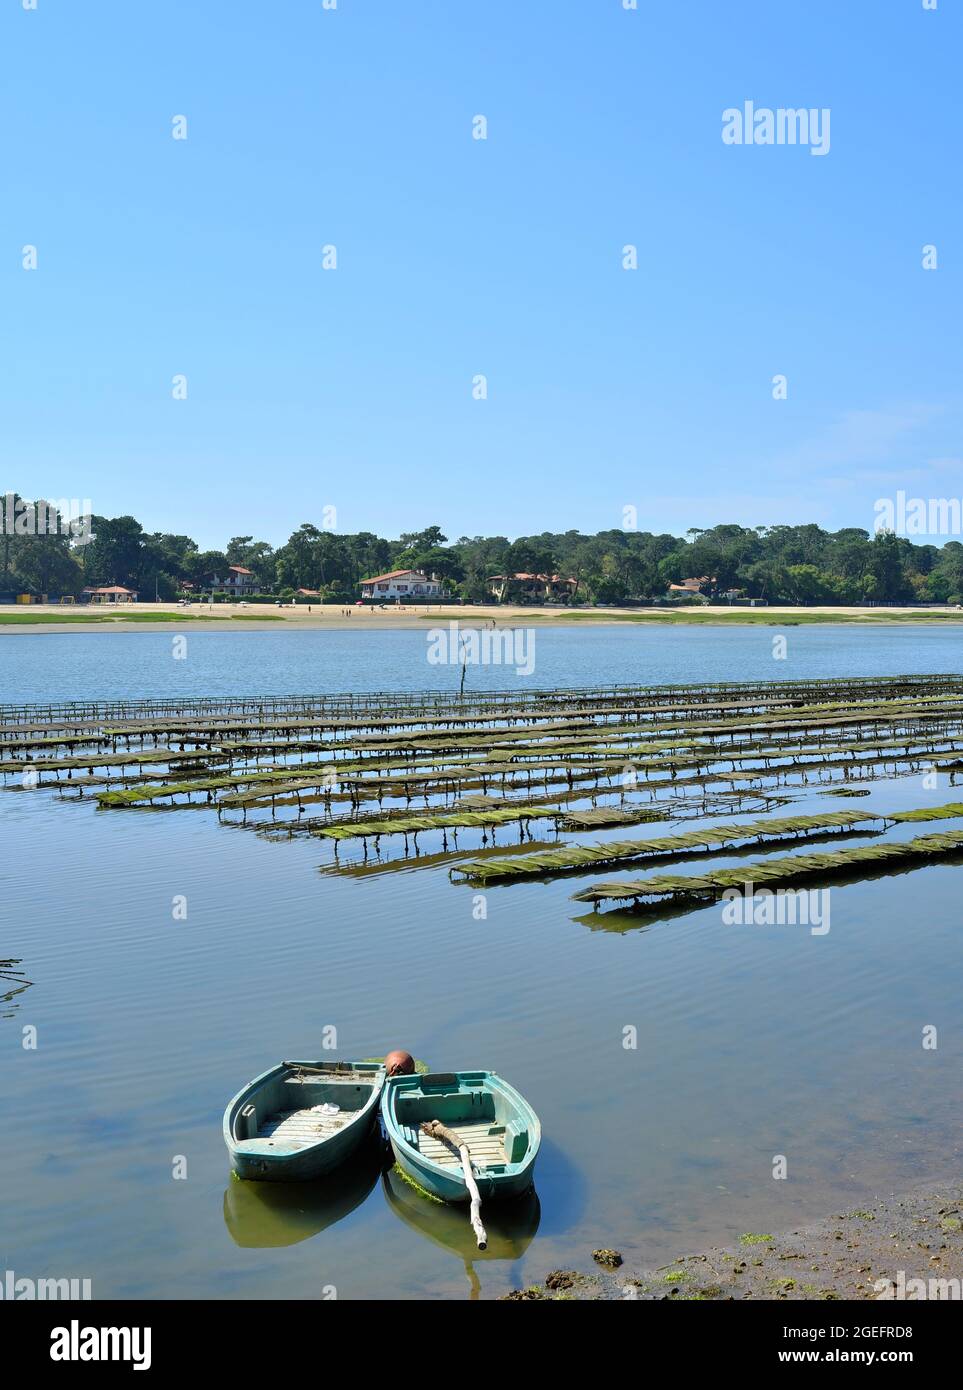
228 617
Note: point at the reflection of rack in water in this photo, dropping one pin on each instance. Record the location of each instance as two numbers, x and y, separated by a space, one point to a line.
19 984
510 1224
272 1214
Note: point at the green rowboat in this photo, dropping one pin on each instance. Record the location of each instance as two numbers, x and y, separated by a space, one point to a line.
300 1120
499 1127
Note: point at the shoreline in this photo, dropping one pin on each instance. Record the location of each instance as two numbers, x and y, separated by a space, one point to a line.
870 1254
152 617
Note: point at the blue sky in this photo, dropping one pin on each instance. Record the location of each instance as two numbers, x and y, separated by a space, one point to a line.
352 388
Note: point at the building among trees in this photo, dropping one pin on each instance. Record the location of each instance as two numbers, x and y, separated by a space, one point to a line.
401 584
532 588
108 593
238 581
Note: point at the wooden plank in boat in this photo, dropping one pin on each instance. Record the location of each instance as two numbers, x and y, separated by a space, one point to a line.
301 1124
486 1148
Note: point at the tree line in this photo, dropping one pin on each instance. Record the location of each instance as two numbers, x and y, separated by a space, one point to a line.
779 564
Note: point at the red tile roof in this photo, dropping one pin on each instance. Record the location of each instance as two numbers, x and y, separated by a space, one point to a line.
395 574
542 578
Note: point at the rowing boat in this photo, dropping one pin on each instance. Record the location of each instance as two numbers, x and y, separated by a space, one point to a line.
300 1120
499 1128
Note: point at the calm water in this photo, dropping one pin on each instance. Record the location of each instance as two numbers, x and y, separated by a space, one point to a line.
113 665
752 1042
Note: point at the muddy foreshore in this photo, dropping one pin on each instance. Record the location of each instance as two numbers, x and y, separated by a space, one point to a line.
908 1247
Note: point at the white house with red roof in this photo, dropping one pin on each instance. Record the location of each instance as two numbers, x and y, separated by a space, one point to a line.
237 581
694 586
401 584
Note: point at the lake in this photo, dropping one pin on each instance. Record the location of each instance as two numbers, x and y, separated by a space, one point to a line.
752 1042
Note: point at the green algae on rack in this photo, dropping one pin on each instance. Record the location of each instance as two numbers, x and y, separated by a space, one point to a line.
456 820
714 839
793 870
404 761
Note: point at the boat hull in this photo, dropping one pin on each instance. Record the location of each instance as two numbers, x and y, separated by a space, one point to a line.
276 1128
500 1127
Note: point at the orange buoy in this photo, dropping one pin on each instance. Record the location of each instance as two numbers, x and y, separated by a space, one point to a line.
400 1064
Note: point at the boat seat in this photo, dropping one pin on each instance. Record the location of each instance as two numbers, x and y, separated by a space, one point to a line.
451 1107
486 1144
406 1105
516 1142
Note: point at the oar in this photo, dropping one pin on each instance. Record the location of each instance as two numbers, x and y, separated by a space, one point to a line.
436 1130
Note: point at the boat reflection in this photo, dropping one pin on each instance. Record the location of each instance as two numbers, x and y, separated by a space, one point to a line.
509 1225
271 1214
